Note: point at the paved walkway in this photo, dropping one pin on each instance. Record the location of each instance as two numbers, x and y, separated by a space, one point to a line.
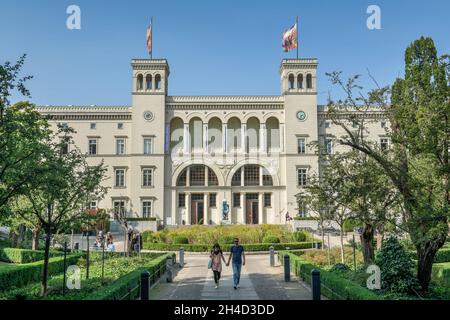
259 281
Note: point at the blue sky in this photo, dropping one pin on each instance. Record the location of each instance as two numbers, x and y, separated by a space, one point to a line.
214 47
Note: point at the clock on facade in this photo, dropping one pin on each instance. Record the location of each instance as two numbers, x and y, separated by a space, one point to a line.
148 116
301 115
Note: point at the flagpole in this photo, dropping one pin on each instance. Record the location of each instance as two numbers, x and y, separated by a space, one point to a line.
151 37
296 32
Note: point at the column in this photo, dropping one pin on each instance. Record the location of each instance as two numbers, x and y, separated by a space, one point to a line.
188 176
243 137
206 208
188 208
174 207
242 176
224 137
206 176
262 138
186 138
243 208
282 137
261 171
260 208
205 138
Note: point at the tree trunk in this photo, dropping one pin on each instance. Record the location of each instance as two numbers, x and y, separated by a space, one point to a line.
46 256
379 240
367 244
35 238
425 257
21 236
342 246
323 239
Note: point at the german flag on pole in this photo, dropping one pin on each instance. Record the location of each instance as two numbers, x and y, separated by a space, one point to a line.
290 39
149 38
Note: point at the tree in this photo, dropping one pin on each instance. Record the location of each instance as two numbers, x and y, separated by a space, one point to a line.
60 196
418 108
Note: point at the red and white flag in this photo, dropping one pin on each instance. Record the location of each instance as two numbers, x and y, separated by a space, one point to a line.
290 39
149 37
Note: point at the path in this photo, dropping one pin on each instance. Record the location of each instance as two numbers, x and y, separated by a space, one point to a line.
259 281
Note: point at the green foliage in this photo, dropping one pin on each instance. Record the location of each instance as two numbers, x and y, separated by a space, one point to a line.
271 239
226 239
334 286
32 272
14 255
441 274
300 236
226 247
340 267
350 224
397 267
180 240
320 257
443 255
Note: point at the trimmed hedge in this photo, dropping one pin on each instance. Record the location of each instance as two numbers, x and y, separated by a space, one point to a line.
333 286
441 274
15 255
120 288
227 247
443 255
32 272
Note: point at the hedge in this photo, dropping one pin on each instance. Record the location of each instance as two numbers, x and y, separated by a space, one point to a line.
226 247
97 255
443 255
333 286
15 255
120 288
32 272
441 274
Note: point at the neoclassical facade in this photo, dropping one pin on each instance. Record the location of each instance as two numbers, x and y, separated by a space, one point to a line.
207 159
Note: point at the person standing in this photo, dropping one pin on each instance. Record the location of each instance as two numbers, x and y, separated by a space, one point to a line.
216 257
238 256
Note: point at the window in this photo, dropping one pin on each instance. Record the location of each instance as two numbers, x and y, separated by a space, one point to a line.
139 82
119 209
93 126
236 200
301 177
148 82
329 146
181 182
93 205
327 124
181 200
120 126
120 146
383 124
251 175
291 82
158 82
384 143
147 177
301 145
92 146
120 178
267 200
146 208
64 125
197 175
148 145
212 178
236 180
267 177
308 81
300 81
302 211
212 200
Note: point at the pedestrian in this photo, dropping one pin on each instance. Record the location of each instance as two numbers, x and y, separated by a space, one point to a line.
238 256
216 257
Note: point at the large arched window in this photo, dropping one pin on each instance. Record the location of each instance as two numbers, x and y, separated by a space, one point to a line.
254 175
158 82
199 175
291 81
300 81
140 82
308 81
148 82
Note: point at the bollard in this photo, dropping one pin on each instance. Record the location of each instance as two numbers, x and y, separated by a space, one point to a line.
272 256
315 284
181 257
169 264
287 268
145 285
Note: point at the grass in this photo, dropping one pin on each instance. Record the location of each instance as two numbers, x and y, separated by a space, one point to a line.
115 267
7 266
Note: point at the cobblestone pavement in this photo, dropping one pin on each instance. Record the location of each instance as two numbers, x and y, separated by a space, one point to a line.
259 281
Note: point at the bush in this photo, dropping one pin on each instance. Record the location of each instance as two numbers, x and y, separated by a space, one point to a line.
226 247
149 236
32 272
340 267
226 239
271 239
441 274
180 240
15 255
320 257
299 236
397 268
334 285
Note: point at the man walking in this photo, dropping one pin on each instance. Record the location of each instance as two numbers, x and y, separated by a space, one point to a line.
238 256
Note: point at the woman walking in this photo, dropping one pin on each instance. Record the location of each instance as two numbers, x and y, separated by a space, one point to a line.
216 257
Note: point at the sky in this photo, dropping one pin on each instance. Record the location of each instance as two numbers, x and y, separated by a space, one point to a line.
214 47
